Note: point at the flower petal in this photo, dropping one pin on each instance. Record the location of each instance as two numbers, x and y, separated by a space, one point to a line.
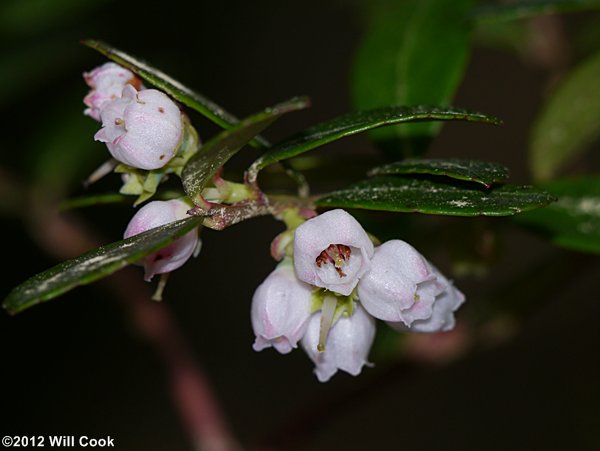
316 235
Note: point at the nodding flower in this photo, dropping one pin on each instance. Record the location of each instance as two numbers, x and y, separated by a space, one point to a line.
280 309
141 129
400 286
442 314
107 83
156 214
332 251
348 344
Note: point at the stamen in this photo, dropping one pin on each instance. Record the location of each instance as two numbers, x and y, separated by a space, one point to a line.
337 255
327 313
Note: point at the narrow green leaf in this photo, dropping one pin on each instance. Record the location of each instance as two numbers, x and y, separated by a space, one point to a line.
215 153
568 122
433 197
175 89
574 220
359 122
413 53
530 8
94 265
482 172
95 199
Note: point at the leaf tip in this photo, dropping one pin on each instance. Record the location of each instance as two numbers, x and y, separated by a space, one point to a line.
92 43
12 311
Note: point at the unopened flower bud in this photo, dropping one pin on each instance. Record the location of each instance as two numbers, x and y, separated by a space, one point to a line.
107 83
442 315
156 214
400 285
332 251
347 346
280 310
141 129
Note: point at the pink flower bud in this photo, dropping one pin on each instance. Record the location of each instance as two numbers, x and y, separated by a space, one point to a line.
280 310
442 315
347 346
141 129
332 251
107 83
400 285
156 214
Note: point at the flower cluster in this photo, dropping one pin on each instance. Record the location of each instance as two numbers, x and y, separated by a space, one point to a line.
332 282
143 129
338 283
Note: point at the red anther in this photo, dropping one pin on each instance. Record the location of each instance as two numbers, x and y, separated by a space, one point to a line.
332 254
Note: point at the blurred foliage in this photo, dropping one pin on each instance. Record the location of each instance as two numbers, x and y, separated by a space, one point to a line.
413 53
574 221
569 120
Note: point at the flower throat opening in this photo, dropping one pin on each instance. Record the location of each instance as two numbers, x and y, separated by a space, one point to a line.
337 255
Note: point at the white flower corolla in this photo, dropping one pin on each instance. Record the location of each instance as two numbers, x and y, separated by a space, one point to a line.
332 251
442 315
401 286
107 83
347 346
280 310
156 214
141 129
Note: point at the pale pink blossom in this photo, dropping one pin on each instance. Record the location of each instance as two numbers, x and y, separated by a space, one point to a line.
442 314
332 251
107 83
347 346
141 129
280 310
156 214
401 286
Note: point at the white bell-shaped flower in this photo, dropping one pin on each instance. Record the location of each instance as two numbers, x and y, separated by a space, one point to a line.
156 214
347 346
280 310
107 83
400 286
332 251
442 315
141 129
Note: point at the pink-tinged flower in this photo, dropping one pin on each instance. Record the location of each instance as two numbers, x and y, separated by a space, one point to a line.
400 287
347 346
156 214
280 310
332 251
141 129
107 83
442 315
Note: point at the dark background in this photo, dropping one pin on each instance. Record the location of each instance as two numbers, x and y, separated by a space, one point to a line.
78 365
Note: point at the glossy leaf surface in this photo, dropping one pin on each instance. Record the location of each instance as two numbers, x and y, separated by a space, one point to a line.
482 172
359 122
423 195
94 265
